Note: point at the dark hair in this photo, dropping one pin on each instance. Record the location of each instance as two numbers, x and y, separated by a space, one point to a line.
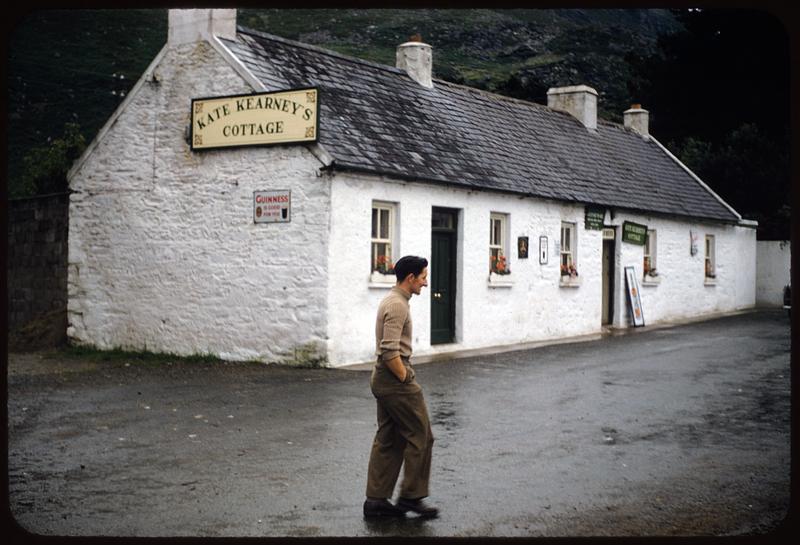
409 264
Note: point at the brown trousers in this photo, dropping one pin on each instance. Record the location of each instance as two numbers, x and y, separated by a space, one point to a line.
404 435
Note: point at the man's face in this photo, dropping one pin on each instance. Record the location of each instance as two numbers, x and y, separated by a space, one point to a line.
419 282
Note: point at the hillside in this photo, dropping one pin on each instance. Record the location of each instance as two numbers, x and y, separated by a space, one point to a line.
77 65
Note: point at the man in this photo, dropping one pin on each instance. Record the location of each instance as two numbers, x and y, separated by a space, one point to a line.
404 431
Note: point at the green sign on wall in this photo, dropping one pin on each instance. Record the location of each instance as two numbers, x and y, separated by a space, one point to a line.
634 233
594 218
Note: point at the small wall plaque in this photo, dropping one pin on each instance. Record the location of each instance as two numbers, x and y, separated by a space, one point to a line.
522 247
272 206
543 250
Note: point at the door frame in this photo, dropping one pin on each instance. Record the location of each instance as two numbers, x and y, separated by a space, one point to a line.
610 299
452 233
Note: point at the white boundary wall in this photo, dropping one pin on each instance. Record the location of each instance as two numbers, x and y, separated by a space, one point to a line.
774 264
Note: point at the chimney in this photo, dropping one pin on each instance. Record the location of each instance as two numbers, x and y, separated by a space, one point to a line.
195 25
580 101
416 58
637 119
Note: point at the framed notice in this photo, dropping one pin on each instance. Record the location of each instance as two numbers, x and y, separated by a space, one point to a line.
272 206
634 297
259 119
522 247
543 250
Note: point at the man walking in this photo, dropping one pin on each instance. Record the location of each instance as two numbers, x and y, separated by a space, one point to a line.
404 431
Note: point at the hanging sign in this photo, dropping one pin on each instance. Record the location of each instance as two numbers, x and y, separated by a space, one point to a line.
595 218
634 233
255 120
272 206
634 297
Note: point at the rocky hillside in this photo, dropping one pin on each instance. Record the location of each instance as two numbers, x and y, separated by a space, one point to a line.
76 66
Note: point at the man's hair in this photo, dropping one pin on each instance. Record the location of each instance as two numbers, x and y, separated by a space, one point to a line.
409 264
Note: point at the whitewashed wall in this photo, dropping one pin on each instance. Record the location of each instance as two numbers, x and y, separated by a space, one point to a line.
682 291
535 307
773 273
163 251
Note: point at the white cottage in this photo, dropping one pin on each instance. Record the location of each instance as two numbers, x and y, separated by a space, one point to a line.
505 198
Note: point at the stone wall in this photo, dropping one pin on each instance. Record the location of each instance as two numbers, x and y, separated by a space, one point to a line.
164 254
37 270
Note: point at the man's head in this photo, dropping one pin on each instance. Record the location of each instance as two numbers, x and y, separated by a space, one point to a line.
412 273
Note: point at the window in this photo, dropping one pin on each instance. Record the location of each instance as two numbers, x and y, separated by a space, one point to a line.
383 229
649 263
710 257
569 261
498 243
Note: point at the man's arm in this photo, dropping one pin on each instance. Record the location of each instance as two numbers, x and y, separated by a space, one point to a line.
396 366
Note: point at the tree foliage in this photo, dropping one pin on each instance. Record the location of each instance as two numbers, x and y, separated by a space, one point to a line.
45 167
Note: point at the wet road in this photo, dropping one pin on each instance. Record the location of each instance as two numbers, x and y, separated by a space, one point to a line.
673 431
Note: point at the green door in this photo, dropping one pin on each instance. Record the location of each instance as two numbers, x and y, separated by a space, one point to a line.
443 276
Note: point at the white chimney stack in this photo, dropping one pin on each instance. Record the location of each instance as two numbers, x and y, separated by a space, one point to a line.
637 119
580 101
416 58
195 25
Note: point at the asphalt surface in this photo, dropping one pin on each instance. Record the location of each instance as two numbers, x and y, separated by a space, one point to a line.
674 431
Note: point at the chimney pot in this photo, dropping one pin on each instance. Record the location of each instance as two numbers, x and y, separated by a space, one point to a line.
637 119
580 101
416 58
195 25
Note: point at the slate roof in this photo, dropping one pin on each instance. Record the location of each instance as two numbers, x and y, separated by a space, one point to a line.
375 118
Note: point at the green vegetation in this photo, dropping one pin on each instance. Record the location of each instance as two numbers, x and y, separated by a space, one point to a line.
138 356
703 74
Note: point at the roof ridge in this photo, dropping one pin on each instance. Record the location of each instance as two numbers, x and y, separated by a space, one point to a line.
318 49
395 70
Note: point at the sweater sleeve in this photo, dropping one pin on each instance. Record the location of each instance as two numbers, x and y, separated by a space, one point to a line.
393 320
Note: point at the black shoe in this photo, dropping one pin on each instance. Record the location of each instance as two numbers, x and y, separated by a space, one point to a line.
418 506
381 508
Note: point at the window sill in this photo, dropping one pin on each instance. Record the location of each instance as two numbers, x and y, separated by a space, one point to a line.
380 280
710 281
651 281
500 280
567 282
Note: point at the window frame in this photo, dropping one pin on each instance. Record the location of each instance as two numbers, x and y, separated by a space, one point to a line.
710 259
390 241
573 244
650 250
502 248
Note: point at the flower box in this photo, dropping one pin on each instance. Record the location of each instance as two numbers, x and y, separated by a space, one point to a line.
568 281
382 280
651 280
500 280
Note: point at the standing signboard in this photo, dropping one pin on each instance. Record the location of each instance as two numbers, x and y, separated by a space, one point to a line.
634 298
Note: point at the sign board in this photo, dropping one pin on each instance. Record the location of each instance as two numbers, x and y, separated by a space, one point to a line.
272 206
634 297
255 120
595 218
634 233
